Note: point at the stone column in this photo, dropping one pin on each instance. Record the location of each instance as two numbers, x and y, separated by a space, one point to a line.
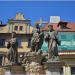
3 60
66 70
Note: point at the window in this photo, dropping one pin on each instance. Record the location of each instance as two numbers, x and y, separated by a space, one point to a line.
19 41
61 71
2 42
72 70
63 25
16 28
29 43
1 57
21 28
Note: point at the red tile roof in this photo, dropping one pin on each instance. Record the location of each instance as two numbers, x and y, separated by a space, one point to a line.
70 25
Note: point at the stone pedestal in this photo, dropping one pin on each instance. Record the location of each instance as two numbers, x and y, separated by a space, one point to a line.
53 67
33 65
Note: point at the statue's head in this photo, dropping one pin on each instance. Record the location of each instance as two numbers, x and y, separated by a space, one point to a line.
50 27
13 34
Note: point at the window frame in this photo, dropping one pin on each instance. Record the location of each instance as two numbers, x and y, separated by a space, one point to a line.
19 40
2 43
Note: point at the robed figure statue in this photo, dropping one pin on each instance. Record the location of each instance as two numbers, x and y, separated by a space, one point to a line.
52 39
35 39
13 49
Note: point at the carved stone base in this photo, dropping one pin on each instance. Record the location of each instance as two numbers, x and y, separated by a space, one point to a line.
33 65
35 69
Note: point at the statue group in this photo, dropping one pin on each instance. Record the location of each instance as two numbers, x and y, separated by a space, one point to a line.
50 38
38 39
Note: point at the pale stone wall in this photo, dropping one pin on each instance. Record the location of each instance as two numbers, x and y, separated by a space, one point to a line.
4 29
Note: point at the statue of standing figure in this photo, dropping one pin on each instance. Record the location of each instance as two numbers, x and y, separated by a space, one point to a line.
35 39
13 49
53 41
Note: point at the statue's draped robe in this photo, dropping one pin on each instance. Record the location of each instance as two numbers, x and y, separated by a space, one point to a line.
44 46
13 50
52 43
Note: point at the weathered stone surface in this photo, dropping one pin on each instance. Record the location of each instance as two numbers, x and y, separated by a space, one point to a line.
33 64
53 67
2 71
34 68
14 69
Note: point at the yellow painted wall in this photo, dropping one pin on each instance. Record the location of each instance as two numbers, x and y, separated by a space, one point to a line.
4 29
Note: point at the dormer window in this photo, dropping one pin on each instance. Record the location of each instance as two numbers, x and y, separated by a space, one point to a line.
16 28
63 25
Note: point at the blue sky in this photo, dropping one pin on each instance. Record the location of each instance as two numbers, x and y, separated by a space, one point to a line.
36 9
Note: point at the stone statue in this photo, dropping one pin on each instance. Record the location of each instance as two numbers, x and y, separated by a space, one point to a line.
53 41
35 39
13 49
